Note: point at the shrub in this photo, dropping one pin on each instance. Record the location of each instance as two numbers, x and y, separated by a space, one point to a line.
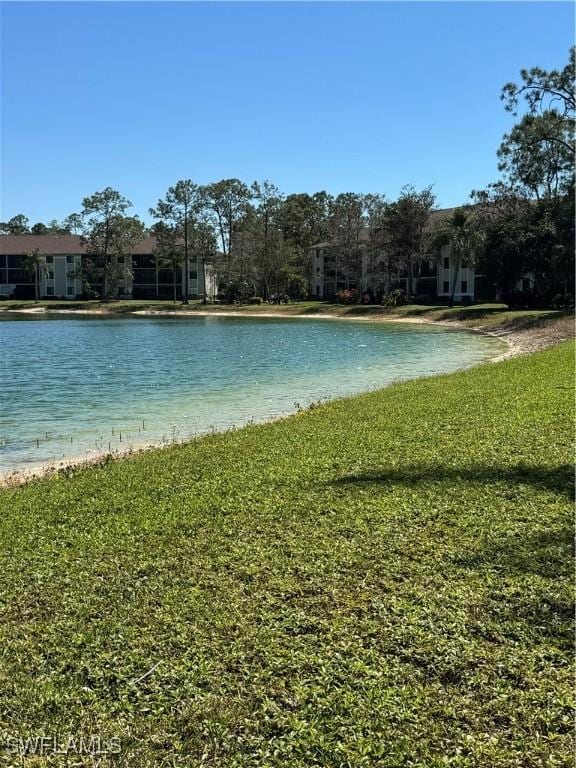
89 293
397 298
348 297
255 300
562 301
279 298
522 300
424 298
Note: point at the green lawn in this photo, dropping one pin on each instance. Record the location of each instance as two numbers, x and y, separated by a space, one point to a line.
381 581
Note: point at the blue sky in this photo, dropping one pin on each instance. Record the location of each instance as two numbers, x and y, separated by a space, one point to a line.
362 97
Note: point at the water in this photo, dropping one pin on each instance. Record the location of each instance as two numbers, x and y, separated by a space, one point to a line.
77 387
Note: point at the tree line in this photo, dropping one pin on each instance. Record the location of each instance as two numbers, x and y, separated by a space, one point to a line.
257 240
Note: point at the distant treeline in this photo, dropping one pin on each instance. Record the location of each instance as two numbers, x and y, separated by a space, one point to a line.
259 241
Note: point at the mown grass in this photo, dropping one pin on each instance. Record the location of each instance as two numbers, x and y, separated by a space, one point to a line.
380 581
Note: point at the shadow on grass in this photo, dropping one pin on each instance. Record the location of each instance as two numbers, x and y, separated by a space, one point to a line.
534 321
468 313
519 322
546 553
320 307
365 309
559 479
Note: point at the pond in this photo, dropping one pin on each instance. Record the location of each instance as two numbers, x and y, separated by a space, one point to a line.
79 386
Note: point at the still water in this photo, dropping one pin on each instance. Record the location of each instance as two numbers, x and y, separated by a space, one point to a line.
74 387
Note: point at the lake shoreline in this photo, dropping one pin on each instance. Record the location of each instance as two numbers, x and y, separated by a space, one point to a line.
519 342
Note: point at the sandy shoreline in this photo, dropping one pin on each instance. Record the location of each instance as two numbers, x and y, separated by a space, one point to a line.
520 342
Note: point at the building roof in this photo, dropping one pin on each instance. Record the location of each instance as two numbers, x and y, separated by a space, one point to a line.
15 245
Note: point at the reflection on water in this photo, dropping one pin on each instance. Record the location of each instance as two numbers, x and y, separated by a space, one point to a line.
76 387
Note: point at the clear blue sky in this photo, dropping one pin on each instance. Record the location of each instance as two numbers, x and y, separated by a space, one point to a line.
361 97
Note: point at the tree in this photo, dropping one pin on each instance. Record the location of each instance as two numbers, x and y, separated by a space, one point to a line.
17 225
110 236
304 222
378 251
538 155
227 202
465 238
525 239
52 228
180 209
168 253
35 266
408 220
270 253
205 248
345 226
528 216
546 92
73 223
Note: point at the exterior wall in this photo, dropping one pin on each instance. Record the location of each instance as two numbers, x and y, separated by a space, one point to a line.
328 276
62 276
318 273
445 276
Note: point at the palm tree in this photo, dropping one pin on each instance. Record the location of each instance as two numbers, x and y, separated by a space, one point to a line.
465 238
35 266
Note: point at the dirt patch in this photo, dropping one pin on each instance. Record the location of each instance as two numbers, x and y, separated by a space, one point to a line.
523 341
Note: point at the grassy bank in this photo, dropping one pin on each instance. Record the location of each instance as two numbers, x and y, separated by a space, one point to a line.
380 581
487 313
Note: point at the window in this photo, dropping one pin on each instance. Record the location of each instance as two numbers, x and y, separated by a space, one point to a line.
69 259
446 262
50 274
49 291
463 286
446 288
49 259
317 270
525 283
317 253
70 291
193 274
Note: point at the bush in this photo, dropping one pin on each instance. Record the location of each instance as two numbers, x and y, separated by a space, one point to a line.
562 301
279 298
348 297
522 300
255 300
297 288
397 298
88 294
467 300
